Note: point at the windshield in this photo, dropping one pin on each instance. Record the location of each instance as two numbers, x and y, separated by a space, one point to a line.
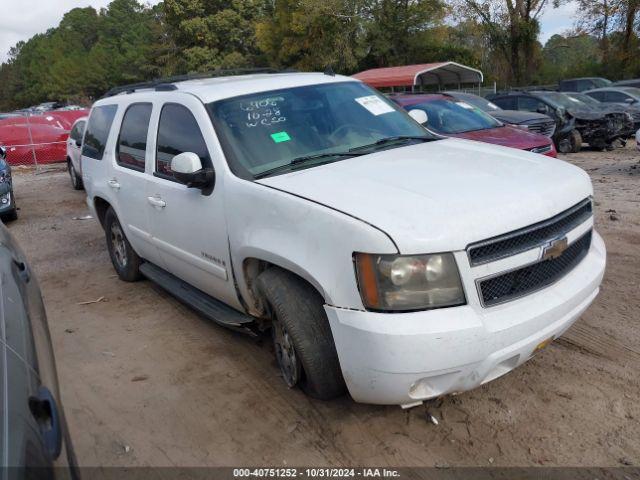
584 98
476 101
450 117
264 131
601 82
559 99
632 91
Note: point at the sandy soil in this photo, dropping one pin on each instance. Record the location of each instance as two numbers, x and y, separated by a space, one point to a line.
146 381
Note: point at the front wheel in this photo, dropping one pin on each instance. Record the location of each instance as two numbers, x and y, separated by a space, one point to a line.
124 259
302 338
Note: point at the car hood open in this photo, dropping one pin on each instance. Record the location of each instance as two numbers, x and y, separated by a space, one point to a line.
442 195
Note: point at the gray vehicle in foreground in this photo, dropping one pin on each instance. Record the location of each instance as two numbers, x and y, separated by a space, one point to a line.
530 121
34 437
8 209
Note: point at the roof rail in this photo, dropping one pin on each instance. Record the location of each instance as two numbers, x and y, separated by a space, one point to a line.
167 84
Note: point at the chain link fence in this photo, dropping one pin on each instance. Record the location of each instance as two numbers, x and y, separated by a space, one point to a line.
34 140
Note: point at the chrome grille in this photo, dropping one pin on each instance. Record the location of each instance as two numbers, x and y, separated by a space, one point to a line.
529 237
542 150
546 128
530 278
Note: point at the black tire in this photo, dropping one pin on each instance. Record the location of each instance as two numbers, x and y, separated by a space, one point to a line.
76 180
297 308
10 216
576 141
125 260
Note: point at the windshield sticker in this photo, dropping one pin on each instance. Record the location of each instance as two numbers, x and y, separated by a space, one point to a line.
375 105
466 105
280 137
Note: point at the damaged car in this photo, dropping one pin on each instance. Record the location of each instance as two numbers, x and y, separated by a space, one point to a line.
575 125
533 122
630 114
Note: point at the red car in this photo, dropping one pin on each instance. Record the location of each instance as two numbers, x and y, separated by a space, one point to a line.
44 135
450 117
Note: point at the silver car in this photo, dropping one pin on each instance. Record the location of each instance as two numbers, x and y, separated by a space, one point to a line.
74 146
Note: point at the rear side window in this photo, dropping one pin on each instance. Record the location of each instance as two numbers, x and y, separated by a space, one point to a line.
132 141
617 97
178 132
77 131
507 103
98 129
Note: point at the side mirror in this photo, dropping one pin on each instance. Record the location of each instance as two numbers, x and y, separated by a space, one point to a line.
187 169
419 116
542 109
630 100
3 153
78 143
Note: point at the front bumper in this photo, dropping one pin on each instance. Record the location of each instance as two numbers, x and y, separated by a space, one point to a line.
406 358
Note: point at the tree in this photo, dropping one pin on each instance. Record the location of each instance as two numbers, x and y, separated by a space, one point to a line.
311 35
213 34
512 28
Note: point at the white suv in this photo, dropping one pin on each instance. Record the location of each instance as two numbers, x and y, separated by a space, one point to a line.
385 259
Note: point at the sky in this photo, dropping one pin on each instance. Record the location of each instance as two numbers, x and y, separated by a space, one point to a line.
19 22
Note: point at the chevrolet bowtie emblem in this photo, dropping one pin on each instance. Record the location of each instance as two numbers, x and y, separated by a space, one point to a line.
554 248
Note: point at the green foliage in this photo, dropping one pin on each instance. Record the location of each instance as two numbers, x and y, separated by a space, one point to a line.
91 51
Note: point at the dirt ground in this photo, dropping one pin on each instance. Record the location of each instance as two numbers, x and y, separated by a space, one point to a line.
147 382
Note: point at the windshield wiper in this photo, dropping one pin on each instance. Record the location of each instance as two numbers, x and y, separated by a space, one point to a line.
387 140
304 159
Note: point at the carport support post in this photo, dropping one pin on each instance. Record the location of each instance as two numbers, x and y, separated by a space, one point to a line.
33 147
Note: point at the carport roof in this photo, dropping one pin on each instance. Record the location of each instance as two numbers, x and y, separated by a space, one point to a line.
441 73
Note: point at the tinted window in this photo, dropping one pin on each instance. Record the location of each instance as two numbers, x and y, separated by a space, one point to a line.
178 132
569 85
529 104
132 142
597 95
98 131
508 103
617 97
77 131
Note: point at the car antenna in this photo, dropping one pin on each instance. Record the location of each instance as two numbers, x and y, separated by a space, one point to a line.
329 71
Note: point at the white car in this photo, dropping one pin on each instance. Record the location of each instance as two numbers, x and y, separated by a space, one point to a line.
74 147
387 260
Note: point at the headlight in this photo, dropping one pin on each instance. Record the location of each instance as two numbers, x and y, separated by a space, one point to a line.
408 282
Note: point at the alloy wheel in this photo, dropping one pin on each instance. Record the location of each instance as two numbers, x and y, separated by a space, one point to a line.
286 354
118 245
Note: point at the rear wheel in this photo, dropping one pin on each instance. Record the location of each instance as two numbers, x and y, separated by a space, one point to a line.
76 180
124 259
302 338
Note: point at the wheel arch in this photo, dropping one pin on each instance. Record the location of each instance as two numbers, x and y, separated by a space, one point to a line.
253 266
101 205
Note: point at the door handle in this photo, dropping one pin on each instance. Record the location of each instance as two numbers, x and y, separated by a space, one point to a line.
113 183
157 202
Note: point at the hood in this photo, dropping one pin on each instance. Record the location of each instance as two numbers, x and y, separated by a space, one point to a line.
442 195
517 116
507 137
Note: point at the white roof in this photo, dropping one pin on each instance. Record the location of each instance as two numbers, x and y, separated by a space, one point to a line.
217 88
